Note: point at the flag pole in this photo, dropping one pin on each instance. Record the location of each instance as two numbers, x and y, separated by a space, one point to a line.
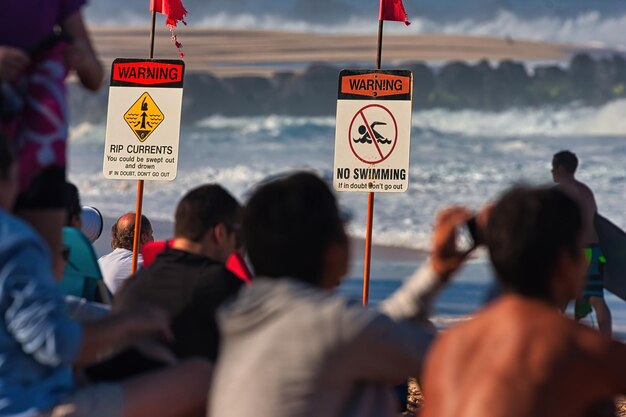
140 183
370 197
379 49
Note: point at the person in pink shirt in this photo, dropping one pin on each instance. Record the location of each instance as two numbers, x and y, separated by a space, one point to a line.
37 52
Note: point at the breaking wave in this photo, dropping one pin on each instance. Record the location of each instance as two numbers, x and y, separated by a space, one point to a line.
592 28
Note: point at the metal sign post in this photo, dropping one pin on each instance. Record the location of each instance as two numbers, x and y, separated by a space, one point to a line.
372 140
143 124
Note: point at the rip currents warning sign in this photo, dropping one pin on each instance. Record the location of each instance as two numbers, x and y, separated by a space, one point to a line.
143 119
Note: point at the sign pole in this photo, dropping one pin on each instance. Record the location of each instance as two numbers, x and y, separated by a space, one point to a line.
139 203
370 197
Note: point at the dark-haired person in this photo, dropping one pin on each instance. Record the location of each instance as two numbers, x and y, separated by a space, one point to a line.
72 206
309 351
564 165
520 357
40 344
117 265
189 278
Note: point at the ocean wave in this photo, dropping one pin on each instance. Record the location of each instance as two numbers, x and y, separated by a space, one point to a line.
606 120
457 157
592 28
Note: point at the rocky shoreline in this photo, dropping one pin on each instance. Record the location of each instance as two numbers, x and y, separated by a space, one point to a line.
455 85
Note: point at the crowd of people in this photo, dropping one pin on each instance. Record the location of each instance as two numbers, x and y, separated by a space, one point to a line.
184 335
187 335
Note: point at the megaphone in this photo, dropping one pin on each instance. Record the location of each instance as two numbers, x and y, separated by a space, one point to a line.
92 223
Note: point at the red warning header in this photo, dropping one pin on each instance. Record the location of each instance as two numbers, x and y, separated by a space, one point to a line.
162 73
375 84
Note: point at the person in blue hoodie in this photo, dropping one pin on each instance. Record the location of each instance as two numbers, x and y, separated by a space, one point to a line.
40 344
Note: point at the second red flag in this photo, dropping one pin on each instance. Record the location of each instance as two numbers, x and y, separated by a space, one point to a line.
393 10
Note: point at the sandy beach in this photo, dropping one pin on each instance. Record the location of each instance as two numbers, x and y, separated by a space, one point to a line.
255 52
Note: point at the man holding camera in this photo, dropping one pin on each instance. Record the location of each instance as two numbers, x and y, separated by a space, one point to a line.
520 357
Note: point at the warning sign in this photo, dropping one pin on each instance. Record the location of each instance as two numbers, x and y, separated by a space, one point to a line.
143 119
372 139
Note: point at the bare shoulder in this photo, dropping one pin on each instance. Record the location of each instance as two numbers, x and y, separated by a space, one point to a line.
584 192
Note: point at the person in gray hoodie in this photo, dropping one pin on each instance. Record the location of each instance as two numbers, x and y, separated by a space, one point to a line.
291 347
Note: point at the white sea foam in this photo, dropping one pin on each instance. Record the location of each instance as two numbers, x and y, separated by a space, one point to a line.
464 157
605 120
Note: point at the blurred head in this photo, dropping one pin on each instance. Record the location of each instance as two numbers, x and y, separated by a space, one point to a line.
292 228
123 232
210 215
8 175
564 165
72 206
534 237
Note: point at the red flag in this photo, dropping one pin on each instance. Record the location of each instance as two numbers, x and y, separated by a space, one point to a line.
393 10
174 12
156 6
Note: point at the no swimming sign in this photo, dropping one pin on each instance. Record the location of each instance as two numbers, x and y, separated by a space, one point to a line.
373 133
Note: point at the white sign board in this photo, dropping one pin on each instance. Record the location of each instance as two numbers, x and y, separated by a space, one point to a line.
143 120
373 134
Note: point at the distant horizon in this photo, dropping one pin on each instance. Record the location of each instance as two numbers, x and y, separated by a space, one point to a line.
589 22
332 11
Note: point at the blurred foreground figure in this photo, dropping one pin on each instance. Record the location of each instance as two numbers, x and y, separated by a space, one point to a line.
40 345
35 60
309 351
520 357
188 278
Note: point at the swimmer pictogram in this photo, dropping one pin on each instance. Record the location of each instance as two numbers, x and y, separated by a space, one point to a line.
143 117
373 134
366 134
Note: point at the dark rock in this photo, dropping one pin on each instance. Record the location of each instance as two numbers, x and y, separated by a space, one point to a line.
505 86
456 85
204 95
312 93
424 83
459 85
582 74
249 95
550 85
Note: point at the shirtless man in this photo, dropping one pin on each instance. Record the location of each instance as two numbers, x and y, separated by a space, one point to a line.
520 357
564 166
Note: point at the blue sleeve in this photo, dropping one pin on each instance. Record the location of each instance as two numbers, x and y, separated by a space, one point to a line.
34 309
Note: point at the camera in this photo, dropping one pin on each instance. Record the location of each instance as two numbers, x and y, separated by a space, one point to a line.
468 235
